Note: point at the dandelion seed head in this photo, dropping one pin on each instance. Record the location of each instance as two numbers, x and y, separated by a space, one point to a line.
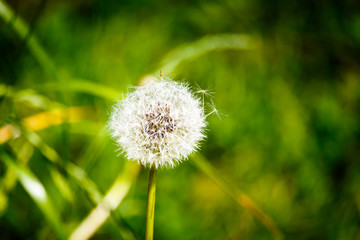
158 124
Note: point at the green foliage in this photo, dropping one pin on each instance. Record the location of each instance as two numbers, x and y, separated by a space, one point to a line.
285 78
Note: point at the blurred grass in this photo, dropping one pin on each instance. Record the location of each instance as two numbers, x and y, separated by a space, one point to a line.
122 184
244 200
21 28
285 77
38 193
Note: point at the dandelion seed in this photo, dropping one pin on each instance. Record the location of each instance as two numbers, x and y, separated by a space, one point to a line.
214 110
158 124
203 93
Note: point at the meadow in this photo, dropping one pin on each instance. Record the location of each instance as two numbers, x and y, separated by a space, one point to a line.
281 156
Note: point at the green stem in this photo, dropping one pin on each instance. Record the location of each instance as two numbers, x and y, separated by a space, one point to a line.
149 230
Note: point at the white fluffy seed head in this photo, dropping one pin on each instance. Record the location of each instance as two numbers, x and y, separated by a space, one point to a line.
158 124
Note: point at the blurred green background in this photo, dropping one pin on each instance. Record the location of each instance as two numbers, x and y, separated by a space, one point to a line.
285 78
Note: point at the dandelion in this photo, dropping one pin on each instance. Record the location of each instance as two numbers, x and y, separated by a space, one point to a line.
158 124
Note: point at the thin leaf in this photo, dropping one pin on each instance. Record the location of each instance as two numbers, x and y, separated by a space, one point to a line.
33 123
47 119
21 29
83 86
73 170
100 214
35 100
62 185
241 198
38 193
204 45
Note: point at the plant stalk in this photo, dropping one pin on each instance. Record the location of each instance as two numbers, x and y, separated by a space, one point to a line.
149 229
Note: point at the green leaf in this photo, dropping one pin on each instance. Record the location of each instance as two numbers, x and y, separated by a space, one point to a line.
62 185
83 86
38 193
203 46
76 172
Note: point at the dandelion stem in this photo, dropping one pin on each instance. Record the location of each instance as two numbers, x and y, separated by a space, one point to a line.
149 229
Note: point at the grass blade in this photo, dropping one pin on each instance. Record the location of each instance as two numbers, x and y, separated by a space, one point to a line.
83 86
73 170
241 198
205 45
38 193
110 202
21 29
